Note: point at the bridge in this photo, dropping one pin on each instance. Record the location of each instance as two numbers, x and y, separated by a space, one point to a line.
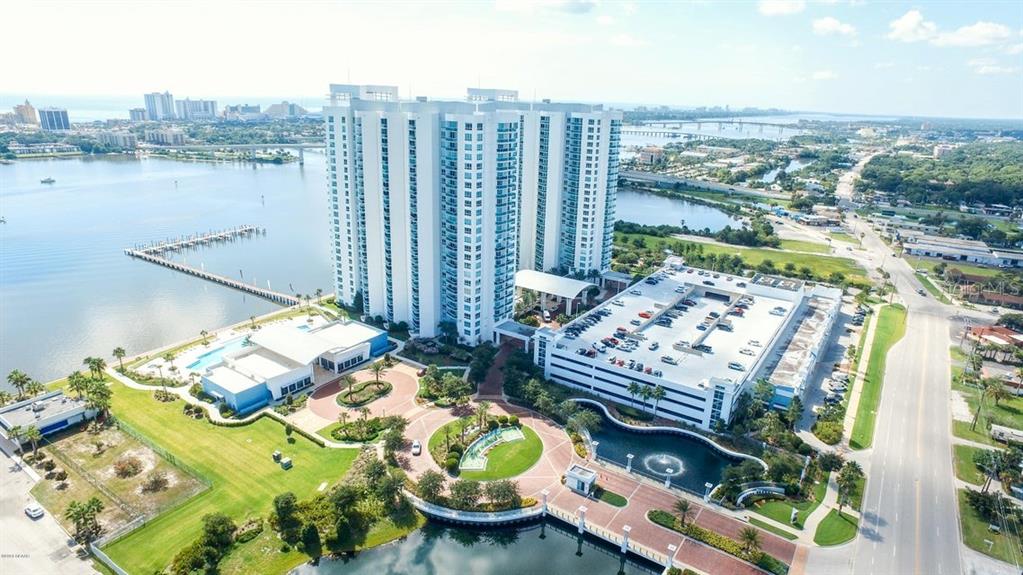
300 146
719 123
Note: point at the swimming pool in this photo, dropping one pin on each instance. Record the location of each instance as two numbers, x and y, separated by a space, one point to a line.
214 356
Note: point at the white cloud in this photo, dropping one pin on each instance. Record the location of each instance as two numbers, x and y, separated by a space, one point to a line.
828 26
780 7
605 20
1014 50
883 65
912 27
567 6
991 67
627 41
824 75
979 34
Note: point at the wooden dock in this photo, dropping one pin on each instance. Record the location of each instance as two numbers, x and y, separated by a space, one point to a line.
154 252
176 244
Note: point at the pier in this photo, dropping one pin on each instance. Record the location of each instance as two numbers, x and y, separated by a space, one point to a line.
154 253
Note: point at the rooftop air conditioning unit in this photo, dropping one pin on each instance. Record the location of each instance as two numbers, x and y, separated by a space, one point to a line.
38 406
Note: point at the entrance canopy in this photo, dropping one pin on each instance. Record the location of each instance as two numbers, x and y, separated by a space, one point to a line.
551 284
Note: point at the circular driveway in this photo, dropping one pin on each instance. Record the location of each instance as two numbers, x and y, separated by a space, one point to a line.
401 399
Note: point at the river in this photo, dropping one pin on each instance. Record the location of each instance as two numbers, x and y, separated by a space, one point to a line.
544 547
67 290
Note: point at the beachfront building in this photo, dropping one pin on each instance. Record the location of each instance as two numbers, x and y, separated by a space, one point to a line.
49 413
54 119
703 337
159 107
434 203
278 361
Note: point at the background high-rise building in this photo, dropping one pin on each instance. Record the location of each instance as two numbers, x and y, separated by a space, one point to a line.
433 202
54 119
196 110
159 107
26 114
137 114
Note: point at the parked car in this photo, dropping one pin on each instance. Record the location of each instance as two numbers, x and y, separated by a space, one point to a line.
669 360
654 346
34 510
736 366
635 292
546 315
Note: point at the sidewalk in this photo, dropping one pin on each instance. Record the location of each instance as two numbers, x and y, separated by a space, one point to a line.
861 373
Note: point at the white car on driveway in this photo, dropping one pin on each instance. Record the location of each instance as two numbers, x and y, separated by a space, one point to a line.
417 447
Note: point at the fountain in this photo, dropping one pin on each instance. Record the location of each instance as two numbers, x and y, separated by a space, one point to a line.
664 465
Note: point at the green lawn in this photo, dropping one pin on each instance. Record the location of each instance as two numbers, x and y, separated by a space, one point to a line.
844 237
836 529
891 326
610 497
929 264
801 246
961 429
1008 412
963 461
781 509
509 459
975 531
770 527
236 460
824 265
957 354
932 289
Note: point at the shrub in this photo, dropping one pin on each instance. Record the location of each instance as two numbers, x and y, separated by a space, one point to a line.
60 475
156 481
503 420
829 432
451 464
249 531
285 548
195 391
513 420
492 425
128 466
48 465
456 448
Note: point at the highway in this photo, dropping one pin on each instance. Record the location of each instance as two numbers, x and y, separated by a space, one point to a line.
910 521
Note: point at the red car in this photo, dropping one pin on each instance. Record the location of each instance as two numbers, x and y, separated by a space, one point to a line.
644 315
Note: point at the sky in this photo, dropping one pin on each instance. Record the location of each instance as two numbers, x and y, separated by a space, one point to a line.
927 58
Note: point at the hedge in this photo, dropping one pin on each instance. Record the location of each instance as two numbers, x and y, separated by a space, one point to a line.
726 544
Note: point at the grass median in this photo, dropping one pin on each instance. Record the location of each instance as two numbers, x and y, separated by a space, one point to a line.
891 326
837 528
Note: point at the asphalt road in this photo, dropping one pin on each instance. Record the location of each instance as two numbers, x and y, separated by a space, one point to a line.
909 519
31 545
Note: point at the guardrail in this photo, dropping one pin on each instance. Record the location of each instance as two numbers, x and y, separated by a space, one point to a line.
475 517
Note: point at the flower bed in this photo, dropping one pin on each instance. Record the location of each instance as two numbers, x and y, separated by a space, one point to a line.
363 393
726 544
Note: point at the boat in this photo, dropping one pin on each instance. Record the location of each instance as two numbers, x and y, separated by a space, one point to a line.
47 181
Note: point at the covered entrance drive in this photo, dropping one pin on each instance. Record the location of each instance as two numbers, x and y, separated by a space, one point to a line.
510 329
546 285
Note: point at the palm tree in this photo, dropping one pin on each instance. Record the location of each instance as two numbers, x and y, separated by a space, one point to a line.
682 508
88 362
364 412
319 294
342 417
252 321
749 537
97 397
348 381
378 369
998 393
16 433
18 380
119 353
34 388
32 434
204 335
482 408
988 385
5 397
657 394
634 390
645 393
97 365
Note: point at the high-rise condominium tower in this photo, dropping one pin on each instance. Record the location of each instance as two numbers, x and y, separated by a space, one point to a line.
436 204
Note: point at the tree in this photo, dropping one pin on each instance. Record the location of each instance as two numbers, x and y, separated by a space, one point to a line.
988 386
204 334
584 420
657 394
77 383
97 397
749 537
634 390
33 435
465 494
794 411
847 481
431 485
503 493
17 433
645 393
311 540
830 461
482 409
83 517
119 353
349 382
682 508
96 366
18 380
34 388
378 369
5 397
285 506
218 530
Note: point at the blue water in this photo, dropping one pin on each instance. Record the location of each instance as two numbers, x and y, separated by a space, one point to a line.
213 357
